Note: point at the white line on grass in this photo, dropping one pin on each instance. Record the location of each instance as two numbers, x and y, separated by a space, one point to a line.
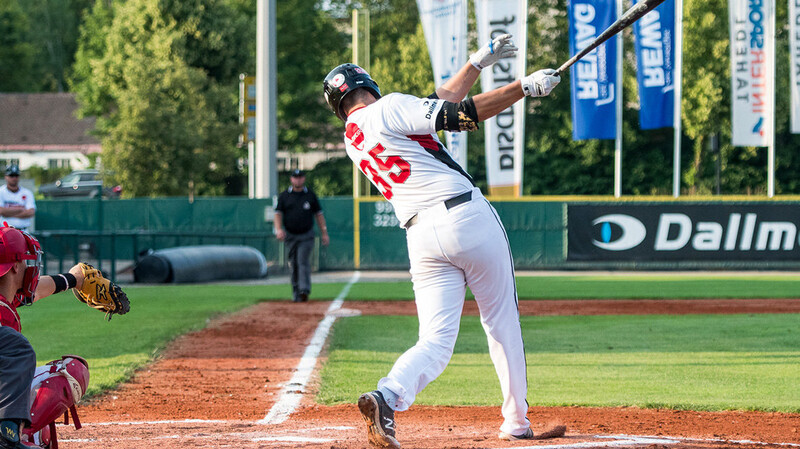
292 392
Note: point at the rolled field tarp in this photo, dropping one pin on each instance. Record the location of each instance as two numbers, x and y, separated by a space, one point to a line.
202 263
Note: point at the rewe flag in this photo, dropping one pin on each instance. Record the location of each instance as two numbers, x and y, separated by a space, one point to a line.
593 78
655 66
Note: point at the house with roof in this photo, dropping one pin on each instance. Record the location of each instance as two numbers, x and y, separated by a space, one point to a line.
43 129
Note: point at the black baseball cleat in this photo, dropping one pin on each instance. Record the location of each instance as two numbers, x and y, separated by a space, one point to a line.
380 420
303 296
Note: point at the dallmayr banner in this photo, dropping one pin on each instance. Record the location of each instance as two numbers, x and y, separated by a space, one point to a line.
445 25
655 65
752 71
593 78
505 132
701 232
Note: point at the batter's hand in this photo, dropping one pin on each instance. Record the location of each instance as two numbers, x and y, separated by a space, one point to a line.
540 83
496 49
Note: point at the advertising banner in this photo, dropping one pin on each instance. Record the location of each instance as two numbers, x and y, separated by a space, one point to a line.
593 78
658 232
654 37
794 63
445 25
505 132
752 71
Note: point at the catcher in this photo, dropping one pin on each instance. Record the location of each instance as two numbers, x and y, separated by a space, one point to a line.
31 398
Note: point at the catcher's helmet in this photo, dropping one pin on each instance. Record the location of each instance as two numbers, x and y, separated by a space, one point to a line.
19 246
344 79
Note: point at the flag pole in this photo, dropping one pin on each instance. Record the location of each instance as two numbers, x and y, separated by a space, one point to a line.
771 115
676 107
618 93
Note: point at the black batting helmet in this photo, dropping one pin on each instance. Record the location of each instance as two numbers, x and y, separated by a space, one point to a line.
344 79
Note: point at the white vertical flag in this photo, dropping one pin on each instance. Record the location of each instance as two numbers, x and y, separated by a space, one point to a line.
752 72
445 25
794 64
505 133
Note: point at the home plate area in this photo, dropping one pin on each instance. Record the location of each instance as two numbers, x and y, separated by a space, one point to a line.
248 381
320 433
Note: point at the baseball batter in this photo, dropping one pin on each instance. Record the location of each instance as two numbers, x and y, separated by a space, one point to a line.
32 398
455 237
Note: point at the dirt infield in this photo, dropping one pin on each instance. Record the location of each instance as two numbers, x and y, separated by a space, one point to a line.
211 388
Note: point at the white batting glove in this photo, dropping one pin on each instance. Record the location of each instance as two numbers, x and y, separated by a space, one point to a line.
540 83
496 49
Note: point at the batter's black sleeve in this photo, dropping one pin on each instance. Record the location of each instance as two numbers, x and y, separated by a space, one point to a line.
457 116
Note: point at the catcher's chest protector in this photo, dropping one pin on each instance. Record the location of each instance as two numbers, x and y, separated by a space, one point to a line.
55 390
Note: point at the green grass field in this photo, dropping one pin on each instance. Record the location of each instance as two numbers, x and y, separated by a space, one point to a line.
698 362
693 361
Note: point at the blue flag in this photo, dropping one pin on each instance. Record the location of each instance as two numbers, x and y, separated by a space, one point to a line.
655 65
594 77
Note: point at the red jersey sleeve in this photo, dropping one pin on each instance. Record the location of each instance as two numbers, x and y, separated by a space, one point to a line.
9 316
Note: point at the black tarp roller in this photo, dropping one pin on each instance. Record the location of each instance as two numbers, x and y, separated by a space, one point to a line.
203 263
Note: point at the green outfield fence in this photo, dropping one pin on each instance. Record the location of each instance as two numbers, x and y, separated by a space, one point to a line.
115 233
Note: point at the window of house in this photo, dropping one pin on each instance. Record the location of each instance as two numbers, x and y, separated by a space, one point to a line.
58 163
6 162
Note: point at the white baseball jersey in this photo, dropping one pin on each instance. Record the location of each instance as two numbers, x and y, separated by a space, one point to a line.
393 142
23 199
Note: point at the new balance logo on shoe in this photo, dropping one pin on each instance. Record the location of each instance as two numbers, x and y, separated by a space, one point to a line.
389 424
380 420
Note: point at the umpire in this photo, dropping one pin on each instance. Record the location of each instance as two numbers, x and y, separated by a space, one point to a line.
297 207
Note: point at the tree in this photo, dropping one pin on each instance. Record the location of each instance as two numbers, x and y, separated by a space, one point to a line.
16 53
309 45
94 98
165 80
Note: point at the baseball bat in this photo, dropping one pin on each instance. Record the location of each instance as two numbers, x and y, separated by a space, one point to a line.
632 15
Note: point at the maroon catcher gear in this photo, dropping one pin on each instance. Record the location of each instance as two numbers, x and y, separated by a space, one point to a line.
56 391
19 246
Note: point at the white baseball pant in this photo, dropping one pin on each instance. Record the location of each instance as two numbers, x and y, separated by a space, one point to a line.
450 250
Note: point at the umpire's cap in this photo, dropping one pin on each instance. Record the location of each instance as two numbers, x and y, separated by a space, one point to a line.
298 173
12 170
344 79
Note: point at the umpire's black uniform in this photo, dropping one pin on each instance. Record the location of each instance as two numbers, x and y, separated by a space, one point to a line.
299 207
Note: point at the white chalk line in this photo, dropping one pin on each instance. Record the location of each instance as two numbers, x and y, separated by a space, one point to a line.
292 436
600 440
292 392
617 441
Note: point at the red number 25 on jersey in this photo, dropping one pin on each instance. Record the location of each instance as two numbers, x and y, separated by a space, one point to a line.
356 138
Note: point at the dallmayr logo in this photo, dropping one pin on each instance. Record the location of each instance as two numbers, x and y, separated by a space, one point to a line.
676 231
633 232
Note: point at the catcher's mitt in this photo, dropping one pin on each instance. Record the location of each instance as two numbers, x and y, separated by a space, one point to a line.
100 293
